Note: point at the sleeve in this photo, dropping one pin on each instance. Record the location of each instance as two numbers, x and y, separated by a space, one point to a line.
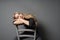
32 23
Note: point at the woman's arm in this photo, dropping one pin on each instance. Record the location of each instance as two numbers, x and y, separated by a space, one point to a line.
25 21
17 22
30 22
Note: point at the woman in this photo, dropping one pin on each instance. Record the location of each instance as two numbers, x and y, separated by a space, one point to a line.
25 19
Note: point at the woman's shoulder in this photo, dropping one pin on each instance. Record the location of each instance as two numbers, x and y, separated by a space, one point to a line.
29 19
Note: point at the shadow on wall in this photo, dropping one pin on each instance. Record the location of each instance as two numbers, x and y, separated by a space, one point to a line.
41 33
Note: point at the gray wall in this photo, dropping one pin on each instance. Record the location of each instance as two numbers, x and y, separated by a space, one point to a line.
46 11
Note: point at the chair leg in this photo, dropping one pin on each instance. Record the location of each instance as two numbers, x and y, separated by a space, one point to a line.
35 35
34 38
18 38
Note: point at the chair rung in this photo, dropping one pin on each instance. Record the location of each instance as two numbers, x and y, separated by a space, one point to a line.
26 30
25 36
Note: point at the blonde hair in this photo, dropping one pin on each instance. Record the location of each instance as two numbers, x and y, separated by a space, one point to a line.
28 16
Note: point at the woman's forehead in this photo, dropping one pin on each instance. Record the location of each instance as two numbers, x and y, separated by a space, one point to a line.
18 13
21 14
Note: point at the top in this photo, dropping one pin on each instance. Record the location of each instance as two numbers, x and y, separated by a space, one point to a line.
31 25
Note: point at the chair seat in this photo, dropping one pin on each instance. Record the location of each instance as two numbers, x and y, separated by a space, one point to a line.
26 36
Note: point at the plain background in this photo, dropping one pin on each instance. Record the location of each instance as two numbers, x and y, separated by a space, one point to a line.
46 11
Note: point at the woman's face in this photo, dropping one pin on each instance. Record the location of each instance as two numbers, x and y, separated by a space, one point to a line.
16 15
21 15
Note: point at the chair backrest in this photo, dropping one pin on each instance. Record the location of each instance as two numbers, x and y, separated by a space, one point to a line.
22 30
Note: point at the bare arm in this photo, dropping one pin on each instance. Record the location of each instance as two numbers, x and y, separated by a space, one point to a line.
17 22
25 22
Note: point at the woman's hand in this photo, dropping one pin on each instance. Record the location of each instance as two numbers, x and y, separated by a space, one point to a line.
18 21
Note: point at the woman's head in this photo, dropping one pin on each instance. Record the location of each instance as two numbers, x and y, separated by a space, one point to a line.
23 15
17 15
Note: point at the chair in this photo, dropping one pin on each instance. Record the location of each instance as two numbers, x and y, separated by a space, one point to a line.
30 30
